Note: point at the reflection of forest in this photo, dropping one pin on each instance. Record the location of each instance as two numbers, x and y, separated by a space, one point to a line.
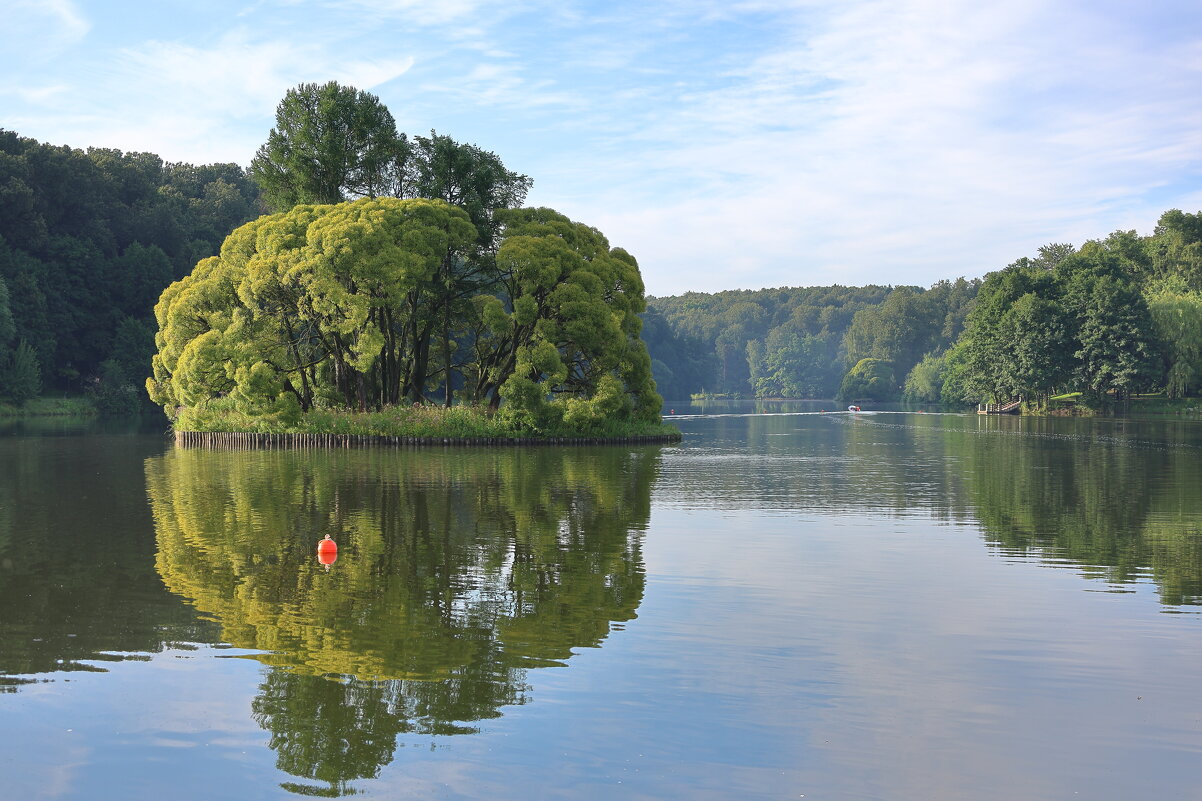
457 571
77 581
1122 507
1119 500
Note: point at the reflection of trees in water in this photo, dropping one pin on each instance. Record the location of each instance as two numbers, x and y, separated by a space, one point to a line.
1117 508
77 586
1122 500
457 572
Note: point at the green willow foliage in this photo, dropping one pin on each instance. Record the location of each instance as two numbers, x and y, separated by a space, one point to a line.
353 306
1177 316
870 379
461 573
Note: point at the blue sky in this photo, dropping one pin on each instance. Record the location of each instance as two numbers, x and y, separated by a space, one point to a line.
726 144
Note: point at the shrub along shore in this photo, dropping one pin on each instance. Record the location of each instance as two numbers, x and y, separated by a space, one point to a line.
49 407
397 425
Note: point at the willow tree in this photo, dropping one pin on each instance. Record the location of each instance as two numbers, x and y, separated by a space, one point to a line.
1177 315
299 309
329 307
564 324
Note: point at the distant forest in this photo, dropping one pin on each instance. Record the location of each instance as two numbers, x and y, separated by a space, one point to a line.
799 342
1119 316
90 238
88 241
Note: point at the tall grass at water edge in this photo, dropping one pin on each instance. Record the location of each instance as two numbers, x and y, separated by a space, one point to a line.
425 421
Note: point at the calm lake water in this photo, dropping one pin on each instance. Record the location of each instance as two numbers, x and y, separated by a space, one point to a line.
894 606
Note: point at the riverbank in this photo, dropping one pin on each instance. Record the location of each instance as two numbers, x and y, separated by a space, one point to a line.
1149 405
68 406
401 425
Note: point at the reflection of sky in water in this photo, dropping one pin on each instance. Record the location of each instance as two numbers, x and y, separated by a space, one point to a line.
830 624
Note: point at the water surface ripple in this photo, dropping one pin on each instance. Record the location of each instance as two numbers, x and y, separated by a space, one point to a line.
822 605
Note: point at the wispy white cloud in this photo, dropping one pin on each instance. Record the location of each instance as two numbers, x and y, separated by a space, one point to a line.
36 94
724 142
904 142
38 30
200 103
431 13
458 22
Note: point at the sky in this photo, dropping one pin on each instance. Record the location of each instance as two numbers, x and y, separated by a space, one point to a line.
727 144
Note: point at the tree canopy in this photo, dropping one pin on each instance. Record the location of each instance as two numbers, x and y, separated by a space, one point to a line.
88 240
330 142
1082 324
798 342
1118 316
340 306
333 143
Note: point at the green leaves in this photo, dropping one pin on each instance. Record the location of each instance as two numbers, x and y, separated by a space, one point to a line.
330 142
1177 316
869 379
576 299
20 374
1081 325
335 305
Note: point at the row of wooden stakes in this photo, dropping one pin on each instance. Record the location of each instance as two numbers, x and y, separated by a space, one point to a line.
251 440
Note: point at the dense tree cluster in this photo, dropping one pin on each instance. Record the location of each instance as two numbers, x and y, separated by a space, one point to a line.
368 303
88 240
1118 316
400 270
799 343
483 300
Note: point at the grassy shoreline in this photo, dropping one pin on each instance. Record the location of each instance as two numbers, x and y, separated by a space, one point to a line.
66 406
1149 405
413 422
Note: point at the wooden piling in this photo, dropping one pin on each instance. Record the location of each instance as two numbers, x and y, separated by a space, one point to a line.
246 440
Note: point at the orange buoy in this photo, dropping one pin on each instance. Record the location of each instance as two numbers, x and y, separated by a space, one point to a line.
327 551
327 545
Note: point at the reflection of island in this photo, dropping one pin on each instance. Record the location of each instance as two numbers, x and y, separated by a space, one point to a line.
457 571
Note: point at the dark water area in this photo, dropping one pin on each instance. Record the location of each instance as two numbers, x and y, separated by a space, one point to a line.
793 602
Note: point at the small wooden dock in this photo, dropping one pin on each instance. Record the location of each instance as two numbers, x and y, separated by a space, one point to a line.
1012 407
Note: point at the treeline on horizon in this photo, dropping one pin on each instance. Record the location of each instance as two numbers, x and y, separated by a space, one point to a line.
796 342
89 239
1119 316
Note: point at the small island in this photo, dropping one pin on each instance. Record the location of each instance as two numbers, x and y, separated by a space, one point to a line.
344 320
337 320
